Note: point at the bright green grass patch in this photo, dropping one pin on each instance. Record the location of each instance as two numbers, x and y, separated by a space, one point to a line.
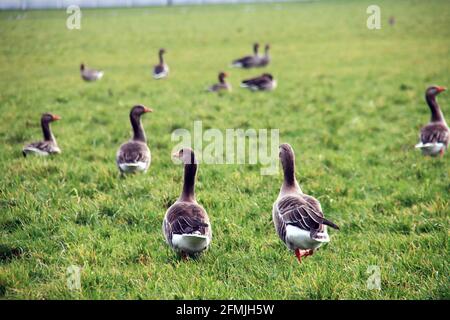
350 102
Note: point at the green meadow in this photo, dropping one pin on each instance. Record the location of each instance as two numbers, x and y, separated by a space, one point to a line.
349 100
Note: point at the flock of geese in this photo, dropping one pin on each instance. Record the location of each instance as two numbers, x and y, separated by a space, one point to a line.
298 218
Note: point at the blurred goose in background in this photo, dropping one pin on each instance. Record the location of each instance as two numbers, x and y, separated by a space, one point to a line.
48 145
186 225
161 70
134 155
264 60
264 82
223 85
298 218
248 62
90 74
434 137
392 20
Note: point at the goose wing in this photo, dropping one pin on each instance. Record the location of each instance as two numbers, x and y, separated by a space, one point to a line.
435 133
303 212
257 82
44 146
133 152
186 218
246 62
91 74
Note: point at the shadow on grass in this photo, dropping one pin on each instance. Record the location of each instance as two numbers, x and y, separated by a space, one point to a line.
8 253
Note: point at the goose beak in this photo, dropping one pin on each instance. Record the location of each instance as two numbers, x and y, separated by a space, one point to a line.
55 117
147 109
176 155
440 89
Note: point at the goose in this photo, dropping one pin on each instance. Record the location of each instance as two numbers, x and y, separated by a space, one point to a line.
434 137
134 155
222 85
161 70
186 225
247 62
90 74
265 60
298 218
48 145
264 82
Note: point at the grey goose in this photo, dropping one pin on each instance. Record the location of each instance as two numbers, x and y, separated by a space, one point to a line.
161 70
434 137
48 145
298 218
186 225
134 155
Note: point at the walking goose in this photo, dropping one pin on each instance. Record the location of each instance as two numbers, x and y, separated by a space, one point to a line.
247 62
90 74
264 82
223 85
298 218
186 225
434 137
48 145
134 155
161 70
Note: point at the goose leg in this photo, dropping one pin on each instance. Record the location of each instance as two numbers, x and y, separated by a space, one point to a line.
184 256
298 255
303 253
441 153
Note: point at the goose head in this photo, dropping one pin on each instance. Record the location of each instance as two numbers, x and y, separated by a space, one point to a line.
267 75
287 157
139 110
186 155
434 90
222 76
48 117
255 48
82 66
267 48
162 51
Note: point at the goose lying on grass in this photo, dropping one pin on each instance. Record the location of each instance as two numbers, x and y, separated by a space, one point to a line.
223 85
48 145
90 74
247 62
264 82
264 60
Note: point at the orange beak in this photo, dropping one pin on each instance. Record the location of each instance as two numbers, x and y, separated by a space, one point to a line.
55 117
147 109
440 89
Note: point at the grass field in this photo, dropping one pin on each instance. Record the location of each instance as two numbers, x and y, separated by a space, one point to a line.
350 101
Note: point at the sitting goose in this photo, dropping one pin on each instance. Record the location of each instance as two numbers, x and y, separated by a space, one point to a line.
247 62
134 155
264 82
222 85
265 60
186 224
48 145
90 74
298 218
161 70
434 137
